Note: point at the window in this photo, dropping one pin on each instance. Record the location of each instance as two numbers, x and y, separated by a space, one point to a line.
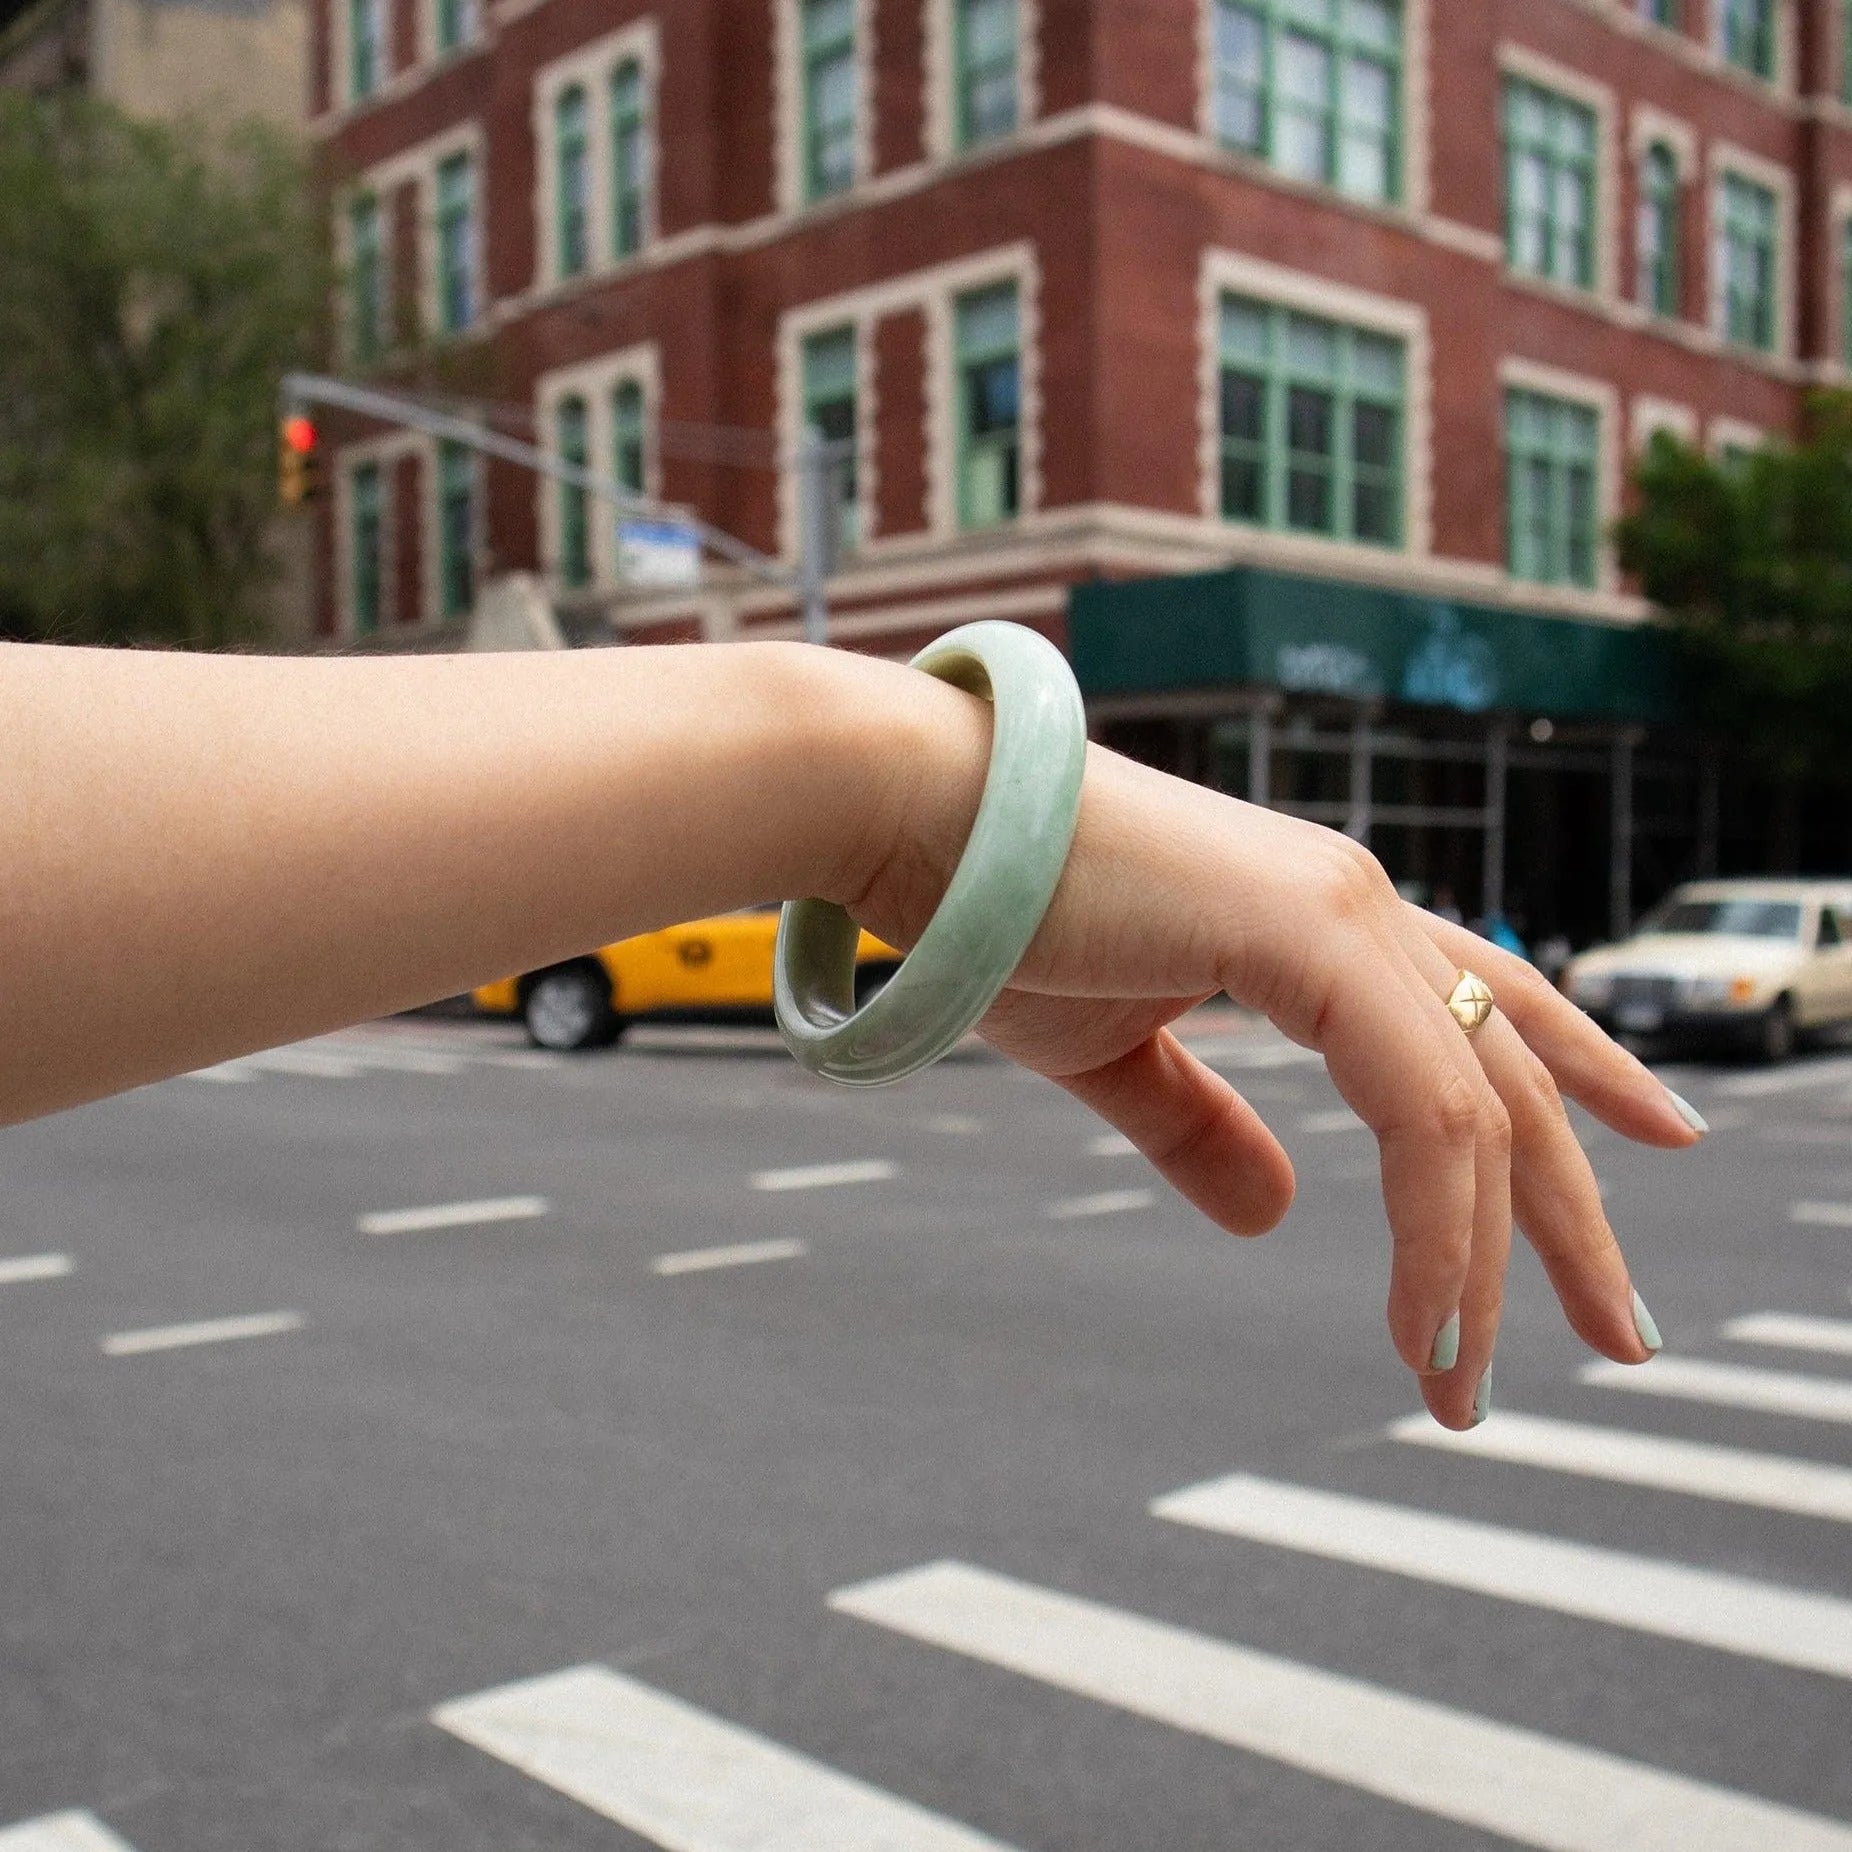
984 54
456 528
628 155
365 47
1746 241
1552 455
1658 253
367 539
1661 13
366 280
1746 35
573 171
1312 87
1549 184
829 411
575 531
627 452
828 28
456 23
456 243
1845 54
989 365
1311 424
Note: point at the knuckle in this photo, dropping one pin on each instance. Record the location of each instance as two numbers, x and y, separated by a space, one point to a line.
1352 880
1454 1111
1545 1096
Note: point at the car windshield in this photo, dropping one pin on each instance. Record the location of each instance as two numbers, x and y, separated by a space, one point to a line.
1740 919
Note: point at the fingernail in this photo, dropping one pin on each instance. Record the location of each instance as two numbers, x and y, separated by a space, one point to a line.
1446 1351
1482 1397
1689 1113
1643 1324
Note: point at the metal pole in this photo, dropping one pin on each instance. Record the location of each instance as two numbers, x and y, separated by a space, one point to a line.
1620 838
813 535
1497 763
1358 824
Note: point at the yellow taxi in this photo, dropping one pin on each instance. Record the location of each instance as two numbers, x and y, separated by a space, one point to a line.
709 969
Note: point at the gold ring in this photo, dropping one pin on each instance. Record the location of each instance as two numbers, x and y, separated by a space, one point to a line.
1470 1003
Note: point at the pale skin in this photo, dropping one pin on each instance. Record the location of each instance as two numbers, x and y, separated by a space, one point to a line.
211 855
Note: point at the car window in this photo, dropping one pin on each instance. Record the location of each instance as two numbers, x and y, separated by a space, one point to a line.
1831 931
1741 919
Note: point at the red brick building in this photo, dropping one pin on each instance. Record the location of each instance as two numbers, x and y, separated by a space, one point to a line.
1365 302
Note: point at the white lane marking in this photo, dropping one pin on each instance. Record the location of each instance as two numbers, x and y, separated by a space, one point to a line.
62 1832
1730 1474
1111 1144
531 1060
17 1269
1822 1215
226 1074
1731 1614
1252 1053
741 1254
206 1331
1107 1202
452 1215
1728 1385
1793 1331
309 1062
1337 1119
1786 1080
825 1176
683 1779
953 1124
1530 1788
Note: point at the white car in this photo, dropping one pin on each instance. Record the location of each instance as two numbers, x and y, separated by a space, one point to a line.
1748 962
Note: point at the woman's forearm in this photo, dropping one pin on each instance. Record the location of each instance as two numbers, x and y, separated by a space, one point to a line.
204 857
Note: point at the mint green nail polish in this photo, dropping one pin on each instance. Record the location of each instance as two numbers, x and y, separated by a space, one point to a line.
1644 1325
1689 1113
1482 1397
1446 1351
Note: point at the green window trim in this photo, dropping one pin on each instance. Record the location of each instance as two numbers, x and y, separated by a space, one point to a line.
456 243
1313 88
629 437
984 56
1553 485
830 104
572 183
1313 424
456 24
572 435
629 158
988 361
1659 254
366 541
366 280
1746 35
456 529
1748 262
831 413
365 47
1666 13
1551 144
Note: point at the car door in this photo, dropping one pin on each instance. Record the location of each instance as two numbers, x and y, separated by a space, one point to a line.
1833 956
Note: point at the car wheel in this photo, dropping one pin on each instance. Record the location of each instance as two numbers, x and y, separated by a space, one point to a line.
1775 1042
569 1008
870 981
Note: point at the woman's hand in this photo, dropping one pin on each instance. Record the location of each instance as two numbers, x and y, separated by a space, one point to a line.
1174 894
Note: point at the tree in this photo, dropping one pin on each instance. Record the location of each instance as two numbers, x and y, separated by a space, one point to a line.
1751 558
158 281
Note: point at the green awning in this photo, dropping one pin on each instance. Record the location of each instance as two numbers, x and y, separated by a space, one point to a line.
1325 636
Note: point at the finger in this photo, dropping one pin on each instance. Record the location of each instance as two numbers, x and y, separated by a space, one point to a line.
1204 1139
1588 1065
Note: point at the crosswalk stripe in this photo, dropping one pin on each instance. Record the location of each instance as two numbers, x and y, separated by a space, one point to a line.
206 1331
18 1269
1728 1385
686 1780
1336 1119
1821 1215
1533 1789
1731 1614
1787 1080
62 1832
225 1074
305 1061
1804 1488
824 1176
452 1215
741 1254
1793 1331
1106 1202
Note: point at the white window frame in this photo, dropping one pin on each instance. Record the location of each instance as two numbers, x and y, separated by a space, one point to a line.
1647 416
788 106
1787 48
1726 433
940 90
1602 397
1234 273
386 452
1726 158
341 57
595 381
433 588
592 68
428 22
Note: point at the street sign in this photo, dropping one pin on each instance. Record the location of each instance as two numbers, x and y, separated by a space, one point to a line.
658 554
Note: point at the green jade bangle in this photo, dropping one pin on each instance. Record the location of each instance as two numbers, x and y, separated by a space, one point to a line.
998 894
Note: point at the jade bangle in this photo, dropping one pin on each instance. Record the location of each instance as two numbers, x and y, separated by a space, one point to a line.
998 894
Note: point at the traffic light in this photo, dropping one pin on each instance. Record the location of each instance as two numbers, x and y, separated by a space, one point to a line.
299 461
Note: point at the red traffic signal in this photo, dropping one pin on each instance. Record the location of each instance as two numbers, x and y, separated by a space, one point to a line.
298 460
299 434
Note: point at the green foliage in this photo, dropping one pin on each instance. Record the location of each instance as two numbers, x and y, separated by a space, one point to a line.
1751 558
157 283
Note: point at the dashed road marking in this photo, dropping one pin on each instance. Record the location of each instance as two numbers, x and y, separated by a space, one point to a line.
1793 1331
452 1215
17 1269
1337 1119
953 1124
1107 1202
740 1254
1111 1144
1729 1385
1821 1215
62 1832
205 1331
825 1176
1795 1079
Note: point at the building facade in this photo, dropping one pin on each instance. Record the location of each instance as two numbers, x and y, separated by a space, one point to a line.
1375 299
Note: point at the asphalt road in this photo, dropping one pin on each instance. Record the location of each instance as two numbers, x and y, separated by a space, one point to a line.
557 1529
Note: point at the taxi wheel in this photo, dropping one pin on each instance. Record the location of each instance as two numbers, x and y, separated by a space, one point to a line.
1775 1041
569 1008
870 981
